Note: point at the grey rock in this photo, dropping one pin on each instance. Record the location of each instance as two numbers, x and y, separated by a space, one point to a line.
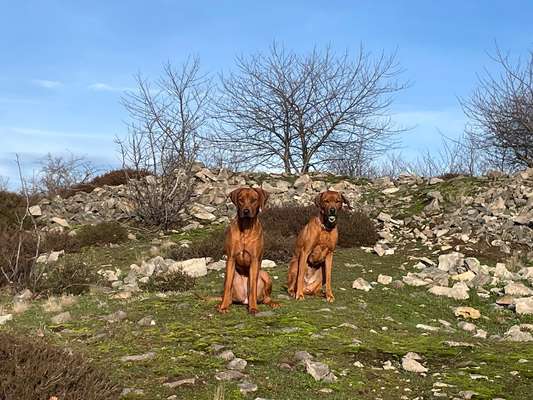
140 357
238 364
231 375
61 318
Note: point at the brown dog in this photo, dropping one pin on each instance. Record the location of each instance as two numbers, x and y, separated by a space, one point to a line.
244 282
312 260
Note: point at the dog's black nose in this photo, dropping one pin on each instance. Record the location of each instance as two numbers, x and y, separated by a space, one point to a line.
333 211
246 211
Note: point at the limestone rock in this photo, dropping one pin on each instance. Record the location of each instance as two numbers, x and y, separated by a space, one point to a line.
361 284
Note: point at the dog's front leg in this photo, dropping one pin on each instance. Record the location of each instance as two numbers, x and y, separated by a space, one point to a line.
328 267
252 285
302 269
228 282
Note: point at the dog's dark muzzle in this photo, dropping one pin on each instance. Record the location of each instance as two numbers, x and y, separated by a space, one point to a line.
332 216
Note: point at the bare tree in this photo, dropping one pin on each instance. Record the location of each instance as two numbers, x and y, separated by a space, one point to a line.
300 112
501 113
58 173
166 120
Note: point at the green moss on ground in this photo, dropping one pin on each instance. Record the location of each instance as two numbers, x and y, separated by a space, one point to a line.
385 319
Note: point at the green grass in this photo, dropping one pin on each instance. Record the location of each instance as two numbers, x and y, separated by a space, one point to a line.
187 325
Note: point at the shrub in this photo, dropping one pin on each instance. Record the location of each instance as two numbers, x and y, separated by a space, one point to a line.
211 245
356 229
12 208
70 277
17 258
88 235
101 234
115 177
31 369
173 282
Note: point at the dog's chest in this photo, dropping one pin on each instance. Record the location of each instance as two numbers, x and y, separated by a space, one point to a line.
324 246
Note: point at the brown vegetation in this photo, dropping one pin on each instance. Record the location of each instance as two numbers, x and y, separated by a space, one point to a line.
34 370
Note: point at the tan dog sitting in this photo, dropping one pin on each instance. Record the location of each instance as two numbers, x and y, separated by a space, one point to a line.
312 260
244 282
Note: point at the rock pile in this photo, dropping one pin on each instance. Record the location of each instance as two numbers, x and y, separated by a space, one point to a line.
448 214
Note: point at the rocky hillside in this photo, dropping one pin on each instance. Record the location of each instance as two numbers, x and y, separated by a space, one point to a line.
496 210
440 307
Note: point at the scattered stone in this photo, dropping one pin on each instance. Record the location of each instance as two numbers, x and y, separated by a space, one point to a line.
35 211
451 262
247 387
231 375
413 280
5 318
181 382
519 333
361 284
140 357
319 371
116 316
194 267
410 363
467 312
468 394
61 318
302 356
384 279
467 326
387 366
146 321
524 305
358 364
458 291
517 289
125 392
268 264
227 355
427 328
452 343
60 221
237 363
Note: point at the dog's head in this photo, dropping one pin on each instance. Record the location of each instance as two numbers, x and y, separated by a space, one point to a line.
249 201
330 203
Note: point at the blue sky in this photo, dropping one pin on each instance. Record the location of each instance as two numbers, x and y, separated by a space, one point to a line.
65 64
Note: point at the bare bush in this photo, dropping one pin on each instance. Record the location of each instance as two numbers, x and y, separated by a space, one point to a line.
458 156
33 369
501 113
21 242
57 173
166 119
301 112
4 183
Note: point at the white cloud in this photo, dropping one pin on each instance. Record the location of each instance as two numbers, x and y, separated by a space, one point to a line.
47 84
104 87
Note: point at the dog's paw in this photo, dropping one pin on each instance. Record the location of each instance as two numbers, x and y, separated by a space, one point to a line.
274 305
299 296
330 298
252 311
221 309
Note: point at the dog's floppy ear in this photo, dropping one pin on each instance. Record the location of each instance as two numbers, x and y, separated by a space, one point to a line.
345 201
234 195
318 200
263 197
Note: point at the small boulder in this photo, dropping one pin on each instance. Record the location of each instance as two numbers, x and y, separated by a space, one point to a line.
467 312
61 318
361 284
384 279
